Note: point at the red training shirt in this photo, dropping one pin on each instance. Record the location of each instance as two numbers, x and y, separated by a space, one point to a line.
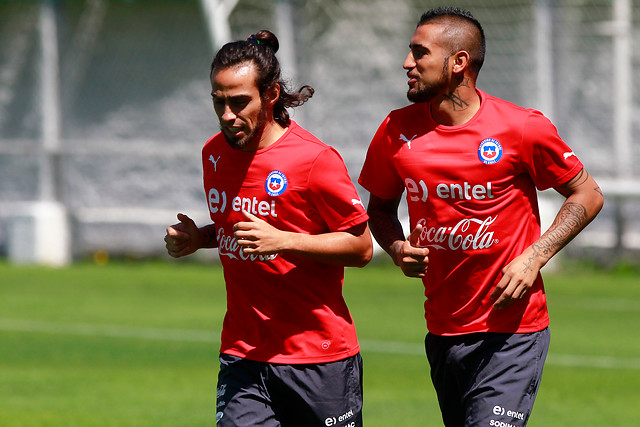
473 188
282 308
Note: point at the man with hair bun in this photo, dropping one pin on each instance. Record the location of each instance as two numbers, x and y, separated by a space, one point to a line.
470 164
286 221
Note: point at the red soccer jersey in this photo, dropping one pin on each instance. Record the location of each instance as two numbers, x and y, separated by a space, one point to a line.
282 308
473 188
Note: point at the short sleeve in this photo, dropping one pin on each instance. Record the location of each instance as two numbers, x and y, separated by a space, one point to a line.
546 157
378 175
334 196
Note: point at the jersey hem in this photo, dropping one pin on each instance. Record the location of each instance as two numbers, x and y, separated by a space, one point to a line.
297 360
519 330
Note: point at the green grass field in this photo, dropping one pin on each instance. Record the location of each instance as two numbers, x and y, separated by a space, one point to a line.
135 344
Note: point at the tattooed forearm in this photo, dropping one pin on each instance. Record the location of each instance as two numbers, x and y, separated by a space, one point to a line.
209 237
386 230
384 223
570 220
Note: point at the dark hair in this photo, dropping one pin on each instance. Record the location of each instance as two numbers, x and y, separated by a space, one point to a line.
260 49
469 37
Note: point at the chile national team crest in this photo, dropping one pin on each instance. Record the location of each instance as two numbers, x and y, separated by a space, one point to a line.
489 151
276 183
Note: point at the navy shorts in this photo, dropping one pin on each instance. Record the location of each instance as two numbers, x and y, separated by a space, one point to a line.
487 379
254 393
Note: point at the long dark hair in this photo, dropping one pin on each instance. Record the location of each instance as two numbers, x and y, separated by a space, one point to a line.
260 49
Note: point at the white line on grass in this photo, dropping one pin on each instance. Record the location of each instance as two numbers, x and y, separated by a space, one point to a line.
596 304
112 331
204 336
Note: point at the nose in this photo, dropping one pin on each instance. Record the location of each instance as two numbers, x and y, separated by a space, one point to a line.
409 62
227 114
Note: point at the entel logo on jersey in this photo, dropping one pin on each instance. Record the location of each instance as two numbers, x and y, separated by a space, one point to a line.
419 192
218 203
489 151
276 183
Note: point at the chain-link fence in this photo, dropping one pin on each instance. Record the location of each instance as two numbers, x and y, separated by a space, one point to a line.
133 106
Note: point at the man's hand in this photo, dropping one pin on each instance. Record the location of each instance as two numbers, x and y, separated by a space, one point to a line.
183 238
584 201
258 237
412 259
517 279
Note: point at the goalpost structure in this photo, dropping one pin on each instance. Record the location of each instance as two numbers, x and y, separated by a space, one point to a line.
327 42
40 231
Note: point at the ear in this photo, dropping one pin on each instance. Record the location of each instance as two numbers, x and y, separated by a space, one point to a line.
461 60
272 94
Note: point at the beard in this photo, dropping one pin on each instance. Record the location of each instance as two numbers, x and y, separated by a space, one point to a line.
423 93
426 92
251 138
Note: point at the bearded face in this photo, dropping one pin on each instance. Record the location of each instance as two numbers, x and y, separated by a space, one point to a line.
239 106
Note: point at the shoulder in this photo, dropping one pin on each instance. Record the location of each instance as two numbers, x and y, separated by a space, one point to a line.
404 124
407 113
304 143
213 141
504 107
528 121
502 104
296 131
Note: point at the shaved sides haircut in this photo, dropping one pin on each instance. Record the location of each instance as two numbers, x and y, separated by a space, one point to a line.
462 30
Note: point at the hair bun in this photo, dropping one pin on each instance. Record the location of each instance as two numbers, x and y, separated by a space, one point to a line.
266 38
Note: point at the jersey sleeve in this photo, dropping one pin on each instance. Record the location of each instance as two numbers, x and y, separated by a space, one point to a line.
334 196
546 157
378 175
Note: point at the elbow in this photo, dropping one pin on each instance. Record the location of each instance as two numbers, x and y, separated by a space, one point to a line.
364 259
361 251
597 198
600 201
597 202
364 256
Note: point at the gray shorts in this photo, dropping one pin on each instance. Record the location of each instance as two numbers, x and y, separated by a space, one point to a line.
487 379
254 393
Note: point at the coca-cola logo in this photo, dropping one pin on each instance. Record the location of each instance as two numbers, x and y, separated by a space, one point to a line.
228 246
468 233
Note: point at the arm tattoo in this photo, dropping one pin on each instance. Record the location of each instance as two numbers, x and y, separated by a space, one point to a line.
385 226
570 220
579 179
385 230
209 236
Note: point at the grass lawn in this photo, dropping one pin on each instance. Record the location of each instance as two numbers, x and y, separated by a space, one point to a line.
135 344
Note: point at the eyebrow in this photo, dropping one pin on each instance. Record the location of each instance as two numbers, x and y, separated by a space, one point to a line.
416 45
239 96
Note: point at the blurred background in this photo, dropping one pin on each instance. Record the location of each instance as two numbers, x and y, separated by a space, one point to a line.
105 105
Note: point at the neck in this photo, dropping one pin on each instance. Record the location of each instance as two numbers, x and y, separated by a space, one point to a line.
271 132
458 106
266 135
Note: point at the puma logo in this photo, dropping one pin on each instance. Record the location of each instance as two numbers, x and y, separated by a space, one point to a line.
215 162
408 141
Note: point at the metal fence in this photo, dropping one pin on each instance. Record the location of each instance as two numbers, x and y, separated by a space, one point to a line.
104 104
